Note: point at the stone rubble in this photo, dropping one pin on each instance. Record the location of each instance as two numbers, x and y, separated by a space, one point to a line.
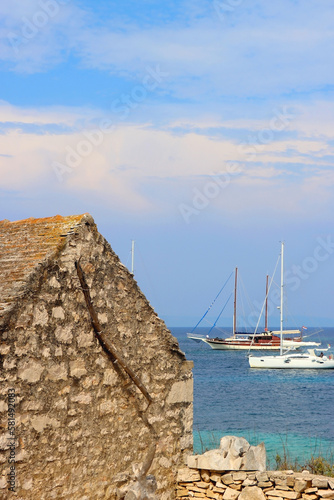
252 485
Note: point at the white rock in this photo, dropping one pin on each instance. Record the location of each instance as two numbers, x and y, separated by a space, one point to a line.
234 453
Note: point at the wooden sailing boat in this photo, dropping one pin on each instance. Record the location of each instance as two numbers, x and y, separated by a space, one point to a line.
240 340
291 360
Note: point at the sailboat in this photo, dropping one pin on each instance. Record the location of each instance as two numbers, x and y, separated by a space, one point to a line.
265 340
303 360
288 342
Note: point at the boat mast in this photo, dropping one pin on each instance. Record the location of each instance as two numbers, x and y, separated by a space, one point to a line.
235 303
132 256
281 306
266 314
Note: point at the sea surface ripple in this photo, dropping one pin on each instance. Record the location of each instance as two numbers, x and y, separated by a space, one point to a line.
290 410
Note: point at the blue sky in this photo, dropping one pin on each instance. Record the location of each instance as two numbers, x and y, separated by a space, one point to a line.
201 129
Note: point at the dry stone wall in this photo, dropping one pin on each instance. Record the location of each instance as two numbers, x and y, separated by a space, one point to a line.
254 485
77 430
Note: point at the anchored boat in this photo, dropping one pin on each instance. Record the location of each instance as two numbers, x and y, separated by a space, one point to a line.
304 360
267 340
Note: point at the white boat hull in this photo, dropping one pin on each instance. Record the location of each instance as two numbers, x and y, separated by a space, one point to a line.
292 361
300 343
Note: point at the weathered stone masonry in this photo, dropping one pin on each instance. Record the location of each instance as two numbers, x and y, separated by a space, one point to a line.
253 485
81 431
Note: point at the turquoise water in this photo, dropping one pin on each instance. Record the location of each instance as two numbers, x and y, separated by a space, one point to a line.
291 411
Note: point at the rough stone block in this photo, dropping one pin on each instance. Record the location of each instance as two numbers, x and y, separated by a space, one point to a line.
320 482
213 495
64 334
239 476
58 313
205 476
250 482
85 339
186 475
3 406
182 493
291 495
106 407
215 477
77 368
252 493
30 371
39 423
227 479
300 485
41 316
328 494
82 398
265 484
110 377
181 392
57 372
261 476
231 494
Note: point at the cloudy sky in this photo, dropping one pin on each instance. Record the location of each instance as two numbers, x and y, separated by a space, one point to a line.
201 129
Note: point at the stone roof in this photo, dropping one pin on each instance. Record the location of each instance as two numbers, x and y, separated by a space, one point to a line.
26 243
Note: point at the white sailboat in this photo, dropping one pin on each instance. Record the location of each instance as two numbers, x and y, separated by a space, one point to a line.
294 342
303 360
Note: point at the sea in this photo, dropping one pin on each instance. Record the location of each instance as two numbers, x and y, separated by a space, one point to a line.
291 411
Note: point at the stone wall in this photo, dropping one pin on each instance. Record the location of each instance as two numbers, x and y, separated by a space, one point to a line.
254 485
78 430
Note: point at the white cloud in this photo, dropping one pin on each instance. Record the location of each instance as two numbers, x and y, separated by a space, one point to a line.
52 115
138 168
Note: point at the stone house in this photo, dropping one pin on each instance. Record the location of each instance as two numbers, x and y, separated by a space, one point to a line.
95 394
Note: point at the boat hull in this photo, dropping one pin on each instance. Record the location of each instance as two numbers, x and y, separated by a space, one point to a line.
291 361
300 343
234 346
246 344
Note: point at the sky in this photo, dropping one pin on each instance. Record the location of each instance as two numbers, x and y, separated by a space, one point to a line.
201 129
